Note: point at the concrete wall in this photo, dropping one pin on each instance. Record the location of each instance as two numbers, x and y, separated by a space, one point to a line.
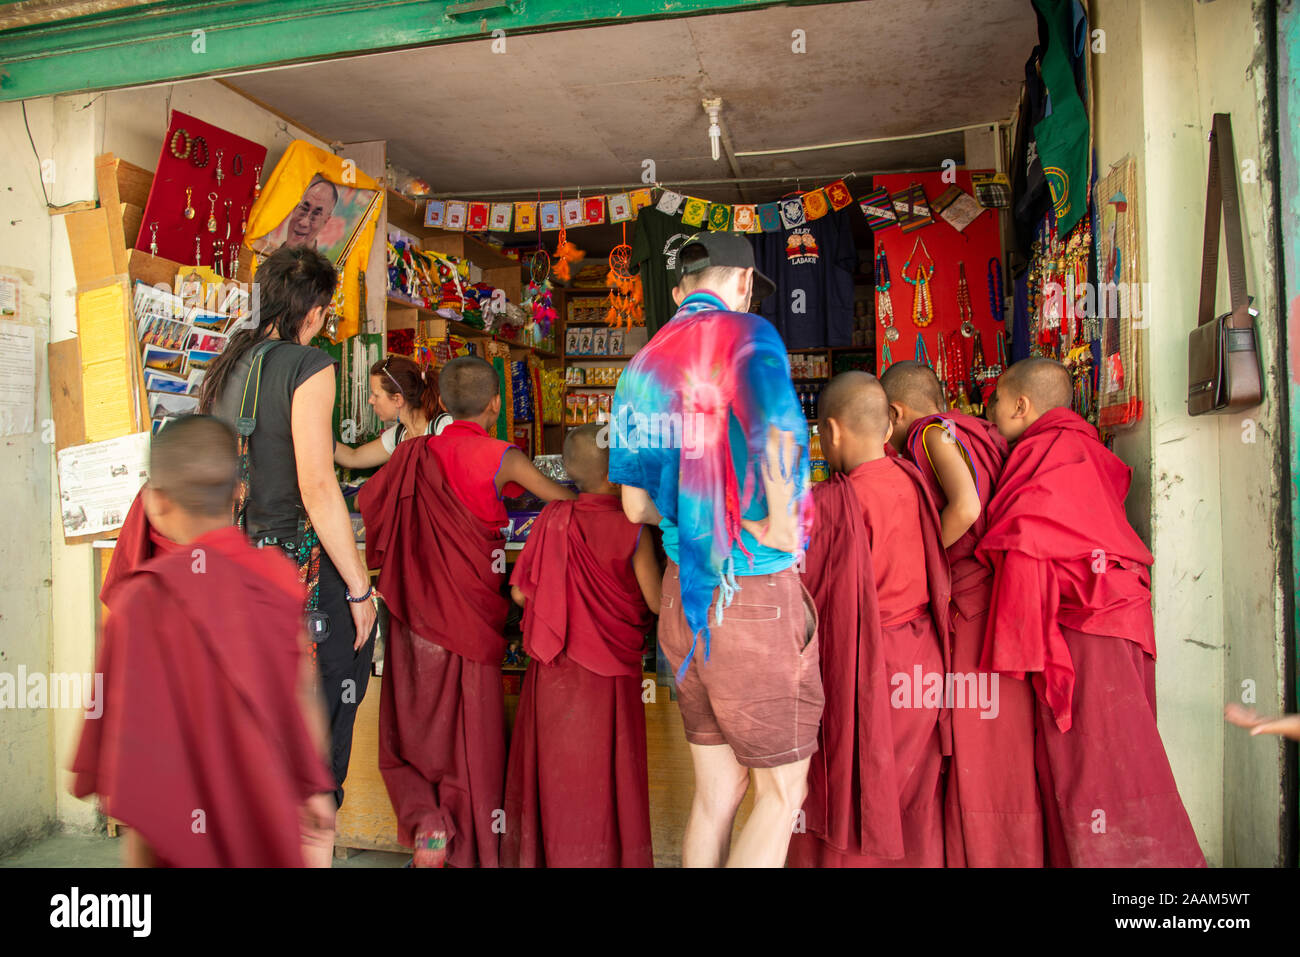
1207 492
26 773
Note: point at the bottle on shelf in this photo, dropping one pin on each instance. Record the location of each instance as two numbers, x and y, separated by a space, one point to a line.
816 458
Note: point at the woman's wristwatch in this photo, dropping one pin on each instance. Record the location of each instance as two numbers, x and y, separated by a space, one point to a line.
359 599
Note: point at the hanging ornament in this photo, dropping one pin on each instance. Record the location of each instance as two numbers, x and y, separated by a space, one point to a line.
566 255
153 239
212 212
218 260
189 210
198 250
257 180
237 164
625 289
995 290
964 311
228 205
922 305
884 304
221 173
243 220
174 144
200 156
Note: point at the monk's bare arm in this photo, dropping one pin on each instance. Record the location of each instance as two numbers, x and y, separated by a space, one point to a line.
517 467
367 456
517 595
1287 725
313 451
954 474
648 573
639 507
780 530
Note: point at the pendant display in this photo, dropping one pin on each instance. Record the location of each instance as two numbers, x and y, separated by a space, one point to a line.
922 303
228 205
153 239
257 181
198 250
884 304
243 220
221 173
218 247
189 210
964 310
212 212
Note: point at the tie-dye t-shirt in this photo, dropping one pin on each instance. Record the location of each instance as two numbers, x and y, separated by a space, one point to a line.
708 380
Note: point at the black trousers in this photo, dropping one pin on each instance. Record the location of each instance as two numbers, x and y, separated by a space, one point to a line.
344 673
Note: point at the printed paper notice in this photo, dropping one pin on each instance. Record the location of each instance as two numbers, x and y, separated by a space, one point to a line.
97 483
17 379
106 379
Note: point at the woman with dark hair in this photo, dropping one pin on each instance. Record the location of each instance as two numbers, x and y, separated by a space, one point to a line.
402 390
294 501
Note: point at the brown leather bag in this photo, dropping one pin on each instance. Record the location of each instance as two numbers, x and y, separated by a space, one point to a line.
1223 370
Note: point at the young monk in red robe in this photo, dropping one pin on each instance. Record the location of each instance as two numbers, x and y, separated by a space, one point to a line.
578 789
212 739
137 542
433 519
992 816
1071 608
877 573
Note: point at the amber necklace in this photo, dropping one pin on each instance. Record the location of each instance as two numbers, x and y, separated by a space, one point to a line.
922 304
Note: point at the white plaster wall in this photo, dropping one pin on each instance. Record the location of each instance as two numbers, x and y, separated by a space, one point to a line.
26 770
1206 501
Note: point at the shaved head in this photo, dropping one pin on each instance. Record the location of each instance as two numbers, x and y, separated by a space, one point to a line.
857 401
584 459
193 461
467 385
913 384
1045 382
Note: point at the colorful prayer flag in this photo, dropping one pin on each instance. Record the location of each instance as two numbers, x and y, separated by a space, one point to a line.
839 195
478 216
525 217
746 220
720 216
620 208
456 213
670 202
550 215
815 205
769 217
640 199
792 212
573 214
695 211
593 213
502 214
435 213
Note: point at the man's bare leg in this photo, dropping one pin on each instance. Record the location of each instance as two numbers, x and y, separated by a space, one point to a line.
720 785
778 794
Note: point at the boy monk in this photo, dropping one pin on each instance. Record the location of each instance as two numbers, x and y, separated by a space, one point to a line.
992 816
577 790
433 519
877 573
1071 608
212 740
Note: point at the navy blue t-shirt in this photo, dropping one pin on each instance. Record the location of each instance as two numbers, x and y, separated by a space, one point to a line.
812 266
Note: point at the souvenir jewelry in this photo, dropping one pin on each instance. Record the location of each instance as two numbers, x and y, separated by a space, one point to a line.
995 290
198 250
221 174
964 310
174 145
218 247
200 142
243 220
884 305
886 357
257 181
189 194
153 239
922 305
234 260
922 354
940 365
212 212
237 164
228 203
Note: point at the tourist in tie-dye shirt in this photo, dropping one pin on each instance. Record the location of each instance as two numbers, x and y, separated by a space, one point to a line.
710 443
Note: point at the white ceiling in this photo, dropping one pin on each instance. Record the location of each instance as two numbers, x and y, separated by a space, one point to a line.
586 106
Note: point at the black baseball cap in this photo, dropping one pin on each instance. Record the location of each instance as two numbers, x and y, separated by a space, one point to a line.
725 249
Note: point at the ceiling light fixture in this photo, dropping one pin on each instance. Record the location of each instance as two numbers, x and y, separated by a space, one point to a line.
713 107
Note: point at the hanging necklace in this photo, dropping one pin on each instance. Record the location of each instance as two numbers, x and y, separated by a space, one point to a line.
884 305
964 311
922 306
886 357
995 290
922 354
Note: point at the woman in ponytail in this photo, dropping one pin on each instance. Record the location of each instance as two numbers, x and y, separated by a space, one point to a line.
402 392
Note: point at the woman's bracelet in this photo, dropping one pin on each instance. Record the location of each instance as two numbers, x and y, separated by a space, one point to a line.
356 601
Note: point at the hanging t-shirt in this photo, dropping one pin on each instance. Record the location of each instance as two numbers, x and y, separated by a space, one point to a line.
655 242
812 266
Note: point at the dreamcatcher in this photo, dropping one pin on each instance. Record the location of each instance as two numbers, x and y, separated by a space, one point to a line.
567 255
625 296
537 298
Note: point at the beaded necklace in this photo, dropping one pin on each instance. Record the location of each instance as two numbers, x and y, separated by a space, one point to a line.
995 290
922 354
922 305
884 305
964 311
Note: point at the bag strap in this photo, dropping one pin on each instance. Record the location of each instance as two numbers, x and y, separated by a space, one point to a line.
1221 200
244 426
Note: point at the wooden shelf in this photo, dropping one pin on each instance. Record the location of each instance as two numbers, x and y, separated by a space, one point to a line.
582 358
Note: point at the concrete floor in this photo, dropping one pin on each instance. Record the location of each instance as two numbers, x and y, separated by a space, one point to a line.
81 850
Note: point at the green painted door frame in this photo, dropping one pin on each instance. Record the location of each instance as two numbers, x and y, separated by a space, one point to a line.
160 42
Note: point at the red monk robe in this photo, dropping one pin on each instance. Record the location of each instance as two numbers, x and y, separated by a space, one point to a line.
1072 606
578 786
202 708
992 816
137 542
442 708
879 578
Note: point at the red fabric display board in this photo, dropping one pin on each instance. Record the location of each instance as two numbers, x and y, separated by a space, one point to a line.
242 164
974 246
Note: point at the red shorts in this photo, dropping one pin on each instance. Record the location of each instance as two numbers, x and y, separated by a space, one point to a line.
760 692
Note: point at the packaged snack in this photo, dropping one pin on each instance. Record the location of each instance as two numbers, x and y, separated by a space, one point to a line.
616 342
584 342
571 341
600 342
571 410
593 407
606 405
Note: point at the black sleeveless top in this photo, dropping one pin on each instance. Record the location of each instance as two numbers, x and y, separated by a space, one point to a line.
275 504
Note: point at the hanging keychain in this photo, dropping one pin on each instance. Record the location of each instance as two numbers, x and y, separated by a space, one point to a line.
189 194
198 250
964 311
257 181
212 212
228 205
153 239
221 173
218 247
